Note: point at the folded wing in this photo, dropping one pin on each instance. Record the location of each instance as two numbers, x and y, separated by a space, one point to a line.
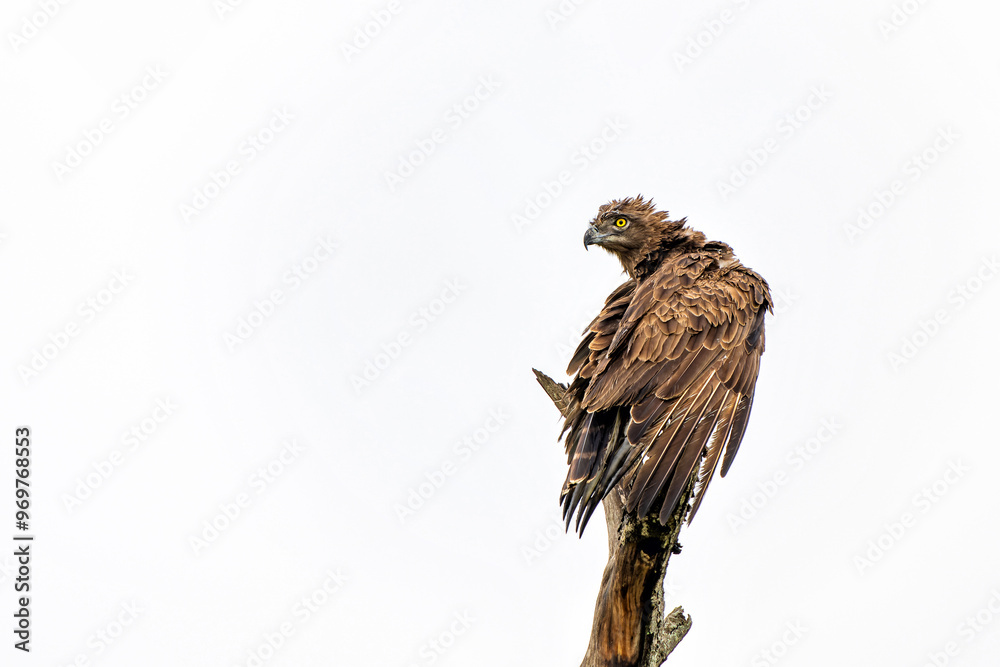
665 381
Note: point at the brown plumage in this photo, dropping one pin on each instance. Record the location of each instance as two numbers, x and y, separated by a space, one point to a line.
665 374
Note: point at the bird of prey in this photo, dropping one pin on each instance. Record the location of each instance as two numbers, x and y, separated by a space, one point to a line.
665 374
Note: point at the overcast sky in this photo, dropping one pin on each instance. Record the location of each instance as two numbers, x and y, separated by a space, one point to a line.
276 274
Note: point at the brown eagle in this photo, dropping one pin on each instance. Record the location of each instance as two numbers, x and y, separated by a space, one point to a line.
665 374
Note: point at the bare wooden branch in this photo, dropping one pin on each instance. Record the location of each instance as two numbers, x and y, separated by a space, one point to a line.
555 390
630 628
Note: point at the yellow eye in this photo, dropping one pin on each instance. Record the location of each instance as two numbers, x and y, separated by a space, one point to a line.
621 222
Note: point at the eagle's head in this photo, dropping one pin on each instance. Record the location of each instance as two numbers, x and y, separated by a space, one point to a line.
631 229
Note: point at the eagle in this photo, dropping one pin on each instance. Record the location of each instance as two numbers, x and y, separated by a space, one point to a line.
663 380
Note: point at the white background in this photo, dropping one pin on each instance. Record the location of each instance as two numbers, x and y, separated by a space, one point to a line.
835 103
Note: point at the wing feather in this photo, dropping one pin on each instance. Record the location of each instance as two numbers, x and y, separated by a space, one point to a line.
714 453
739 427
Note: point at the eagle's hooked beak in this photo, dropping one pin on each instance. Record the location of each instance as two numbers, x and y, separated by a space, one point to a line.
592 237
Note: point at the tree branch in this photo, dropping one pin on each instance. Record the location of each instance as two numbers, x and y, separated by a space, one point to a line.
630 628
